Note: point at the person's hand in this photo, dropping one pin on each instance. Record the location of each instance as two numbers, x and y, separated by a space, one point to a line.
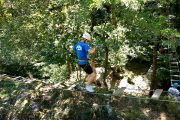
71 47
93 49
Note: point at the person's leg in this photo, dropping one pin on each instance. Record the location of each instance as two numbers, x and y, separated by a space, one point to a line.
93 66
91 77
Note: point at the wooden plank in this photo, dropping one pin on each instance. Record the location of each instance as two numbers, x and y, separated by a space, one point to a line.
172 55
175 72
174 66
119 91
172 51
175 81
156 94
173 58
174 63
176 77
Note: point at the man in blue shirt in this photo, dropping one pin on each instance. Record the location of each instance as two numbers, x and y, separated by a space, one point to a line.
82 50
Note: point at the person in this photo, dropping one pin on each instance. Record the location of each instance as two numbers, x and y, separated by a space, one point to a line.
82 50
174 92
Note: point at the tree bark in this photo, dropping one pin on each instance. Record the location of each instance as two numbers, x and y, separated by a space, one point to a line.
105 66
113 13
68 69
154 65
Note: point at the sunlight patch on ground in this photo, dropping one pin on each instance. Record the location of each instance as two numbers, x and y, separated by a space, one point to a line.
146 111
75 76
140 87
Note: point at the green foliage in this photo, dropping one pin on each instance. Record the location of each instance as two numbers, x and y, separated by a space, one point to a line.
20 69
42 31
134 116
82 112
8 88
54 72
163 74
173 110
163 61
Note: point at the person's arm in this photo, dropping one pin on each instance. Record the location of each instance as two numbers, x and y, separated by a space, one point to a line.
92 50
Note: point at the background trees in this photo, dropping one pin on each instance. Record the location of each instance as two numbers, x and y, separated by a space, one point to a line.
36 35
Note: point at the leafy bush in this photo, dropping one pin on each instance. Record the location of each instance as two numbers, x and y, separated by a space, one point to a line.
174 109
163 76
54 72
20 69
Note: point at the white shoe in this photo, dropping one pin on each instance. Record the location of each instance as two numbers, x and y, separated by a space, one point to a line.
89 88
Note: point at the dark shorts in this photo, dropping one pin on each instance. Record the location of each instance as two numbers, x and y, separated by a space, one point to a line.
87 68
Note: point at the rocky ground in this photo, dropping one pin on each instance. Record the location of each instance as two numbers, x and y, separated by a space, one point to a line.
33 99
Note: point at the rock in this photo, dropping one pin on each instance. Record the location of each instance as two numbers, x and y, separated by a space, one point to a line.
67 94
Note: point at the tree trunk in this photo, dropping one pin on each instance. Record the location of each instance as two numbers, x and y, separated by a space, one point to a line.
177 19
154 65
68 69
105 66
113 13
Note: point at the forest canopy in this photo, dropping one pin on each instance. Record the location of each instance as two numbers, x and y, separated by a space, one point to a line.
36 35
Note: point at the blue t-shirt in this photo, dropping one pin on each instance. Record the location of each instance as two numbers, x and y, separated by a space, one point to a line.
81 50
